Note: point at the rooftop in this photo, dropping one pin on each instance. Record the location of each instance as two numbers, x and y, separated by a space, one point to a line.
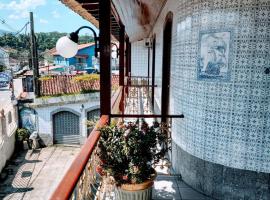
80 47
65 84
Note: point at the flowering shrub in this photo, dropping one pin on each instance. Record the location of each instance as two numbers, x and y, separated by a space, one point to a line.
127 152
86 77
22 134
45 78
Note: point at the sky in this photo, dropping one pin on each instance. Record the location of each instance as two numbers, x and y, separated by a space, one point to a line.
49 15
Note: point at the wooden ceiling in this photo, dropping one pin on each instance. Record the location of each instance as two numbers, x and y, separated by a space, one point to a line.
138 16
92 7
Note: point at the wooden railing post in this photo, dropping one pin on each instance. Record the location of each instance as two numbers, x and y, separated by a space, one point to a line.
122 55
127 57
105 56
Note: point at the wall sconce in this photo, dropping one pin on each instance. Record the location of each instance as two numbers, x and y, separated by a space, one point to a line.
82 107
67 46
117 51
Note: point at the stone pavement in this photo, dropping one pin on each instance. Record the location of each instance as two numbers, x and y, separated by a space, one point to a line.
34 175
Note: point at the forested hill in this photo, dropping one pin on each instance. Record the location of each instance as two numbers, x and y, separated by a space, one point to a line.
44 40
2 32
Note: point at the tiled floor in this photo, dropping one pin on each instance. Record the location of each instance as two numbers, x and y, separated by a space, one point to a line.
35 175
171 187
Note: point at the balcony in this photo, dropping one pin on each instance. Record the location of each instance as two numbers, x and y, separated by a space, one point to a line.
129 103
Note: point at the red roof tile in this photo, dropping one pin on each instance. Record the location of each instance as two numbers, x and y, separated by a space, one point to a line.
64 84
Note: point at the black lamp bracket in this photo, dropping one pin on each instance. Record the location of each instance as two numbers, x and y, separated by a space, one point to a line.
74 36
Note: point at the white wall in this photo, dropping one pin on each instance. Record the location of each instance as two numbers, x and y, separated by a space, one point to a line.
7 134
139 59
46 108
18 86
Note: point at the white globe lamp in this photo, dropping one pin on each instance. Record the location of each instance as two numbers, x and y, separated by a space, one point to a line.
66 47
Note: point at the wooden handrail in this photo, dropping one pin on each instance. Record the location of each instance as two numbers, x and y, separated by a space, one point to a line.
69 181
138 77
145 116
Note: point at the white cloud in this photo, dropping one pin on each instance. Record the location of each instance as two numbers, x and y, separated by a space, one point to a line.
43 21
2 6
23 14
21 8
13 16
55 14
23 5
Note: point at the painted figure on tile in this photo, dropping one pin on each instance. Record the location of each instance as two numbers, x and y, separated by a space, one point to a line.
214 55
28 119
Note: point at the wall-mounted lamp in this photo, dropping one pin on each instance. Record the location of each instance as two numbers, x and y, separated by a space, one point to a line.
67 46
82 107
116 55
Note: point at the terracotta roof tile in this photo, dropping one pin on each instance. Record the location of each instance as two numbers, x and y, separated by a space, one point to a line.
64 84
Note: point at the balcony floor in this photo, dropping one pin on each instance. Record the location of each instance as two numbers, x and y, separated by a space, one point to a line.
168 186
172 187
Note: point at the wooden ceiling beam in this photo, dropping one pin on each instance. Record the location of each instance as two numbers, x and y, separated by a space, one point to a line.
115 14
93 10
91 6
88 1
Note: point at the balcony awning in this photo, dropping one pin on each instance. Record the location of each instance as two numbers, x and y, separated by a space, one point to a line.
89 10
138 16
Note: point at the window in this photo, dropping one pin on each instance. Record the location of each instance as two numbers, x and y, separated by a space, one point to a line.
9 117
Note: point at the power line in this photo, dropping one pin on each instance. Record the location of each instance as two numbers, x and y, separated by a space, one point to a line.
3 21
24 27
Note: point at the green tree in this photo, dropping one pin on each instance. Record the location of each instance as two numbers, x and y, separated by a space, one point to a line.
2 68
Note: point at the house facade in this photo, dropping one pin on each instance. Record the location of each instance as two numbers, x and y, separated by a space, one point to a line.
8 126
83 59
4 57
61 120
61 114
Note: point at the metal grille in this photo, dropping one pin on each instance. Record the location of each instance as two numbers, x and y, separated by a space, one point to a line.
66 128
93 114
92 117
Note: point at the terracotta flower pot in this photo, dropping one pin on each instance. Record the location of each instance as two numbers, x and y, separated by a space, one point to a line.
140 191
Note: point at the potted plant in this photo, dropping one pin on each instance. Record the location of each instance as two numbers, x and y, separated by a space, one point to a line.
22 134
127 153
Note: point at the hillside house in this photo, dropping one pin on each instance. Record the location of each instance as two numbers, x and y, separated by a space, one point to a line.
83 60
4 57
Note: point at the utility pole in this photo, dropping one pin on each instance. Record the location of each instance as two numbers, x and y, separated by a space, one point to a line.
34 56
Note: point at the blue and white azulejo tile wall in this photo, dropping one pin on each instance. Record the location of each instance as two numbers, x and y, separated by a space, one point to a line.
220 52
